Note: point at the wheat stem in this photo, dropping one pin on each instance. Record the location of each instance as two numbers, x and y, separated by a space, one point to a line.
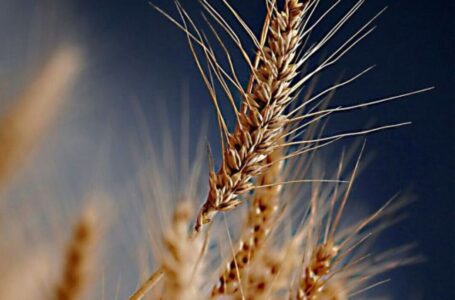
147 285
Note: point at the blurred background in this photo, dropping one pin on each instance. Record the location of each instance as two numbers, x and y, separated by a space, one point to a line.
136 65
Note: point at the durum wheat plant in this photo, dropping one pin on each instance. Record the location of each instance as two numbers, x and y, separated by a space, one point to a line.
271 224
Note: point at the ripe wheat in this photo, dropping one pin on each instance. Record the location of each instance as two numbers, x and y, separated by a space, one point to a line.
262 118
292 242
267 135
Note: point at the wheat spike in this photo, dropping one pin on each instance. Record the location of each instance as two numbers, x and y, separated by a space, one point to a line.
25 122
180 264
77 260
268 276
262 119
320 265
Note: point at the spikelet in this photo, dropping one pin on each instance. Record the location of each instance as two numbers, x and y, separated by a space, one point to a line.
181 263
78 259
262 119
335 262
25 122
312 282
268 276
261 214
333 290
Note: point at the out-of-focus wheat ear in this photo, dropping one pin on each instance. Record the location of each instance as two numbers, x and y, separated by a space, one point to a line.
25 122
333 290
269 275
78 258
260 221
312 281
181 262
323 254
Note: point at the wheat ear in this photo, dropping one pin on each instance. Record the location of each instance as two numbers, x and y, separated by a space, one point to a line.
269 274
260 123
77 259
320 265
35 109
181 262
323 255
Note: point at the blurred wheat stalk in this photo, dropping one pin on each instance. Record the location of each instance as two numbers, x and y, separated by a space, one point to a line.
286 248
